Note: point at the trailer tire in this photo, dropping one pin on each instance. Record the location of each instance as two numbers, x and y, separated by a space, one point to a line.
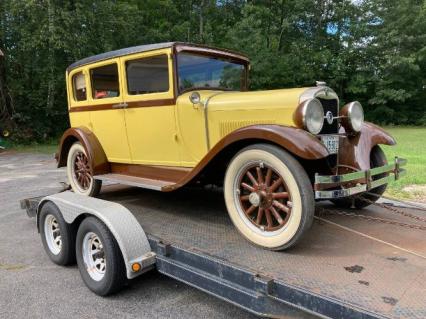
277 209
99 258
57 235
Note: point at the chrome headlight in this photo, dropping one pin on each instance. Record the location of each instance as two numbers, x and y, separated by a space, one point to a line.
352 117
310 116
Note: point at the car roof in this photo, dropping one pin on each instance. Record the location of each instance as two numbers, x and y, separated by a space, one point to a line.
151 47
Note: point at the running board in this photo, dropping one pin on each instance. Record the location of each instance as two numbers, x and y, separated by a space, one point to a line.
148 183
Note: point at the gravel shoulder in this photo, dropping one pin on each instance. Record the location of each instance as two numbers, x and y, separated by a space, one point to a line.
32 286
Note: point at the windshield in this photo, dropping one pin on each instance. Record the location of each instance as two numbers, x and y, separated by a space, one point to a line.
200 71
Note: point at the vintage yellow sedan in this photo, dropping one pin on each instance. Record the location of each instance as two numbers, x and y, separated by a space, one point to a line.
165 115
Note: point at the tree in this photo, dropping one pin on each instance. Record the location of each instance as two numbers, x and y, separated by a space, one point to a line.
373 51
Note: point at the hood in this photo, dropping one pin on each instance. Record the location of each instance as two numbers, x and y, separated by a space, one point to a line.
255 100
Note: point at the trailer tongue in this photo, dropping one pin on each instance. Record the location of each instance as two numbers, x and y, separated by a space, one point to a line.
343 269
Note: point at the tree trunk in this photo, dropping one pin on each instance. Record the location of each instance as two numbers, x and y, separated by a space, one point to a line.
6 102
51 84
201 17
3 102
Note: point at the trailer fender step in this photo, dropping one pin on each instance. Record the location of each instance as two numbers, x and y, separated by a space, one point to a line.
130 236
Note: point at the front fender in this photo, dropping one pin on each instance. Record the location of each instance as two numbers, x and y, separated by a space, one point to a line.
355 150
294 140
297 141
94 150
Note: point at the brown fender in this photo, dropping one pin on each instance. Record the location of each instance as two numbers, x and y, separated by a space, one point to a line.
297 141
355 150
94 150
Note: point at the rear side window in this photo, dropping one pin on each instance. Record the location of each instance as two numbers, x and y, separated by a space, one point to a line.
79 86
148 75
105 81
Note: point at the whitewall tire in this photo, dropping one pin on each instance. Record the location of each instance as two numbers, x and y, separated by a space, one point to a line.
269 196
79 172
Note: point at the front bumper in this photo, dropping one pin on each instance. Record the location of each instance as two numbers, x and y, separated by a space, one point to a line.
363 180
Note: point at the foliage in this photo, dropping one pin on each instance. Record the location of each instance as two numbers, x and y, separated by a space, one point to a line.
410 143
373 51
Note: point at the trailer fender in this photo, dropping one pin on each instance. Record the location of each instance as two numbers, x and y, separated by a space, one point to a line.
129 234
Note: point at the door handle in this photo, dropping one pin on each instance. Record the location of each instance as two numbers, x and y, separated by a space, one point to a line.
119 106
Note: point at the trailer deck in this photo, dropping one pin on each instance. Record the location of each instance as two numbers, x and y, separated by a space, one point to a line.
344 268
375 270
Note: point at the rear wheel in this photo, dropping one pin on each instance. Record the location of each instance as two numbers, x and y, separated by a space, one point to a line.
99 258
79 172
269 196
377 159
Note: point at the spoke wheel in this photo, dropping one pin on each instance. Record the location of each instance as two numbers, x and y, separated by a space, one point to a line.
268 196
82 171
94 256
377 159
79 171
264 197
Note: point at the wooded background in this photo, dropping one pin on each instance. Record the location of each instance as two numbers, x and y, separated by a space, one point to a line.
373 51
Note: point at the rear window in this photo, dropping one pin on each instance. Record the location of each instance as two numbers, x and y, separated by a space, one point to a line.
79 86
105 81
148 75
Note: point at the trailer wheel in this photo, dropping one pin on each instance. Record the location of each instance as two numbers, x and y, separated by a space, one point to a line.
57 236
99 258
269 196
79 172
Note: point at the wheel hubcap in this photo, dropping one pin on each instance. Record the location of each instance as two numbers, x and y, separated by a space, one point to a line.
263 197
254 199
53 234
82 173
94 256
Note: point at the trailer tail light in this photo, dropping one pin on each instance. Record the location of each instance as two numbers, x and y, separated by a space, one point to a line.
136 267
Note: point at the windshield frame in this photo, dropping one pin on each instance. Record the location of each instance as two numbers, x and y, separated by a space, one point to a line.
221 55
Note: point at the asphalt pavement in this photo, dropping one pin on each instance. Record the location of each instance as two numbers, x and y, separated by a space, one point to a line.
31 286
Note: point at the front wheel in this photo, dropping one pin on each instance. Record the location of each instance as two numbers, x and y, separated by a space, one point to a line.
377 159
269 196
79 172
57 236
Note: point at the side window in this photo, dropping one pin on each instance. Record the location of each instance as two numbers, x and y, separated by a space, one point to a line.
79 86
105 81
148 75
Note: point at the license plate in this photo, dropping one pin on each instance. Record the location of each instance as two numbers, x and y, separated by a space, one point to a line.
331 142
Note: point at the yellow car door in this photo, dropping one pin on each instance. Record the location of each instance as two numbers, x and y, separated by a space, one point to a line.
150 114
107 110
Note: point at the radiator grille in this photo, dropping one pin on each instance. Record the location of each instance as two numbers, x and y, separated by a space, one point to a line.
330 105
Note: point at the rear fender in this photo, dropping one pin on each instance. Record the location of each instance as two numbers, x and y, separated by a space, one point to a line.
94 150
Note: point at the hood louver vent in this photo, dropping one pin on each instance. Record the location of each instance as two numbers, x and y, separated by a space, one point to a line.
229 126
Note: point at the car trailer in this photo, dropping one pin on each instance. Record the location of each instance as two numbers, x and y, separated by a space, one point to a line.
345 268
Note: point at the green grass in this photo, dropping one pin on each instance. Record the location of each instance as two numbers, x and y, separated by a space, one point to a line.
47 148
411 145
